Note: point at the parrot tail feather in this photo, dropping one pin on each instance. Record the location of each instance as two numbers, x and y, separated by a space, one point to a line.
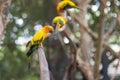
29 52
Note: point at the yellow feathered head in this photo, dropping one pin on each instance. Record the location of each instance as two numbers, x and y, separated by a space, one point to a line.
65 4
58 22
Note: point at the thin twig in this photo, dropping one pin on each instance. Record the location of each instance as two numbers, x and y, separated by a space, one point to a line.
111 30
107 47
86 28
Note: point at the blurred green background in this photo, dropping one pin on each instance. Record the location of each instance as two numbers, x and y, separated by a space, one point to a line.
26 17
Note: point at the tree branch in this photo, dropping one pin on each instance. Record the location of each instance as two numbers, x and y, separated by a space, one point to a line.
86 28
107 47
44 71
85 49
111 30
4 5
100 41
107 35
93 35
84 67
72 64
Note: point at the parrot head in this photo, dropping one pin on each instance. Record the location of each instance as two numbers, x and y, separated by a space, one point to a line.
48 29
64 5
58 22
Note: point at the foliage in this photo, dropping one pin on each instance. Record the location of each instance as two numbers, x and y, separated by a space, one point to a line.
27 16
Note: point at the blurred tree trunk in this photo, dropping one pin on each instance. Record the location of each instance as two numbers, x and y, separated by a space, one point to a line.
85 49
99 44
4 5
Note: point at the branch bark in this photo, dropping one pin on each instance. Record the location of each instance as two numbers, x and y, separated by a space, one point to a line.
100 41
44 71
4 5
84 67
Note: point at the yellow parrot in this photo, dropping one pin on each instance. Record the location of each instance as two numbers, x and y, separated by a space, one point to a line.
37 40
65 4
58 22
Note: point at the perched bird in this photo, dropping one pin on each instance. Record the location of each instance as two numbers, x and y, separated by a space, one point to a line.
58 22
37 40
65 4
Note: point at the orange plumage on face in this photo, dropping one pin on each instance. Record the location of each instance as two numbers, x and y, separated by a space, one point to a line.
48 29
40 35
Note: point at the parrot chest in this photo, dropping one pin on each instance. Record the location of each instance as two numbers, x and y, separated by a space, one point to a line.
38 38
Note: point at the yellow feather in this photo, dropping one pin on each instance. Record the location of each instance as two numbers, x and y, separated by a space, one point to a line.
40 35
59 21
66 4
36 40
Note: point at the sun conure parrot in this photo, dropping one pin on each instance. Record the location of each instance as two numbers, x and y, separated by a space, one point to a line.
58 22
65 4
37 40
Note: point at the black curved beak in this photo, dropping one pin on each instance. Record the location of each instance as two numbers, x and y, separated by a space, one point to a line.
51 31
